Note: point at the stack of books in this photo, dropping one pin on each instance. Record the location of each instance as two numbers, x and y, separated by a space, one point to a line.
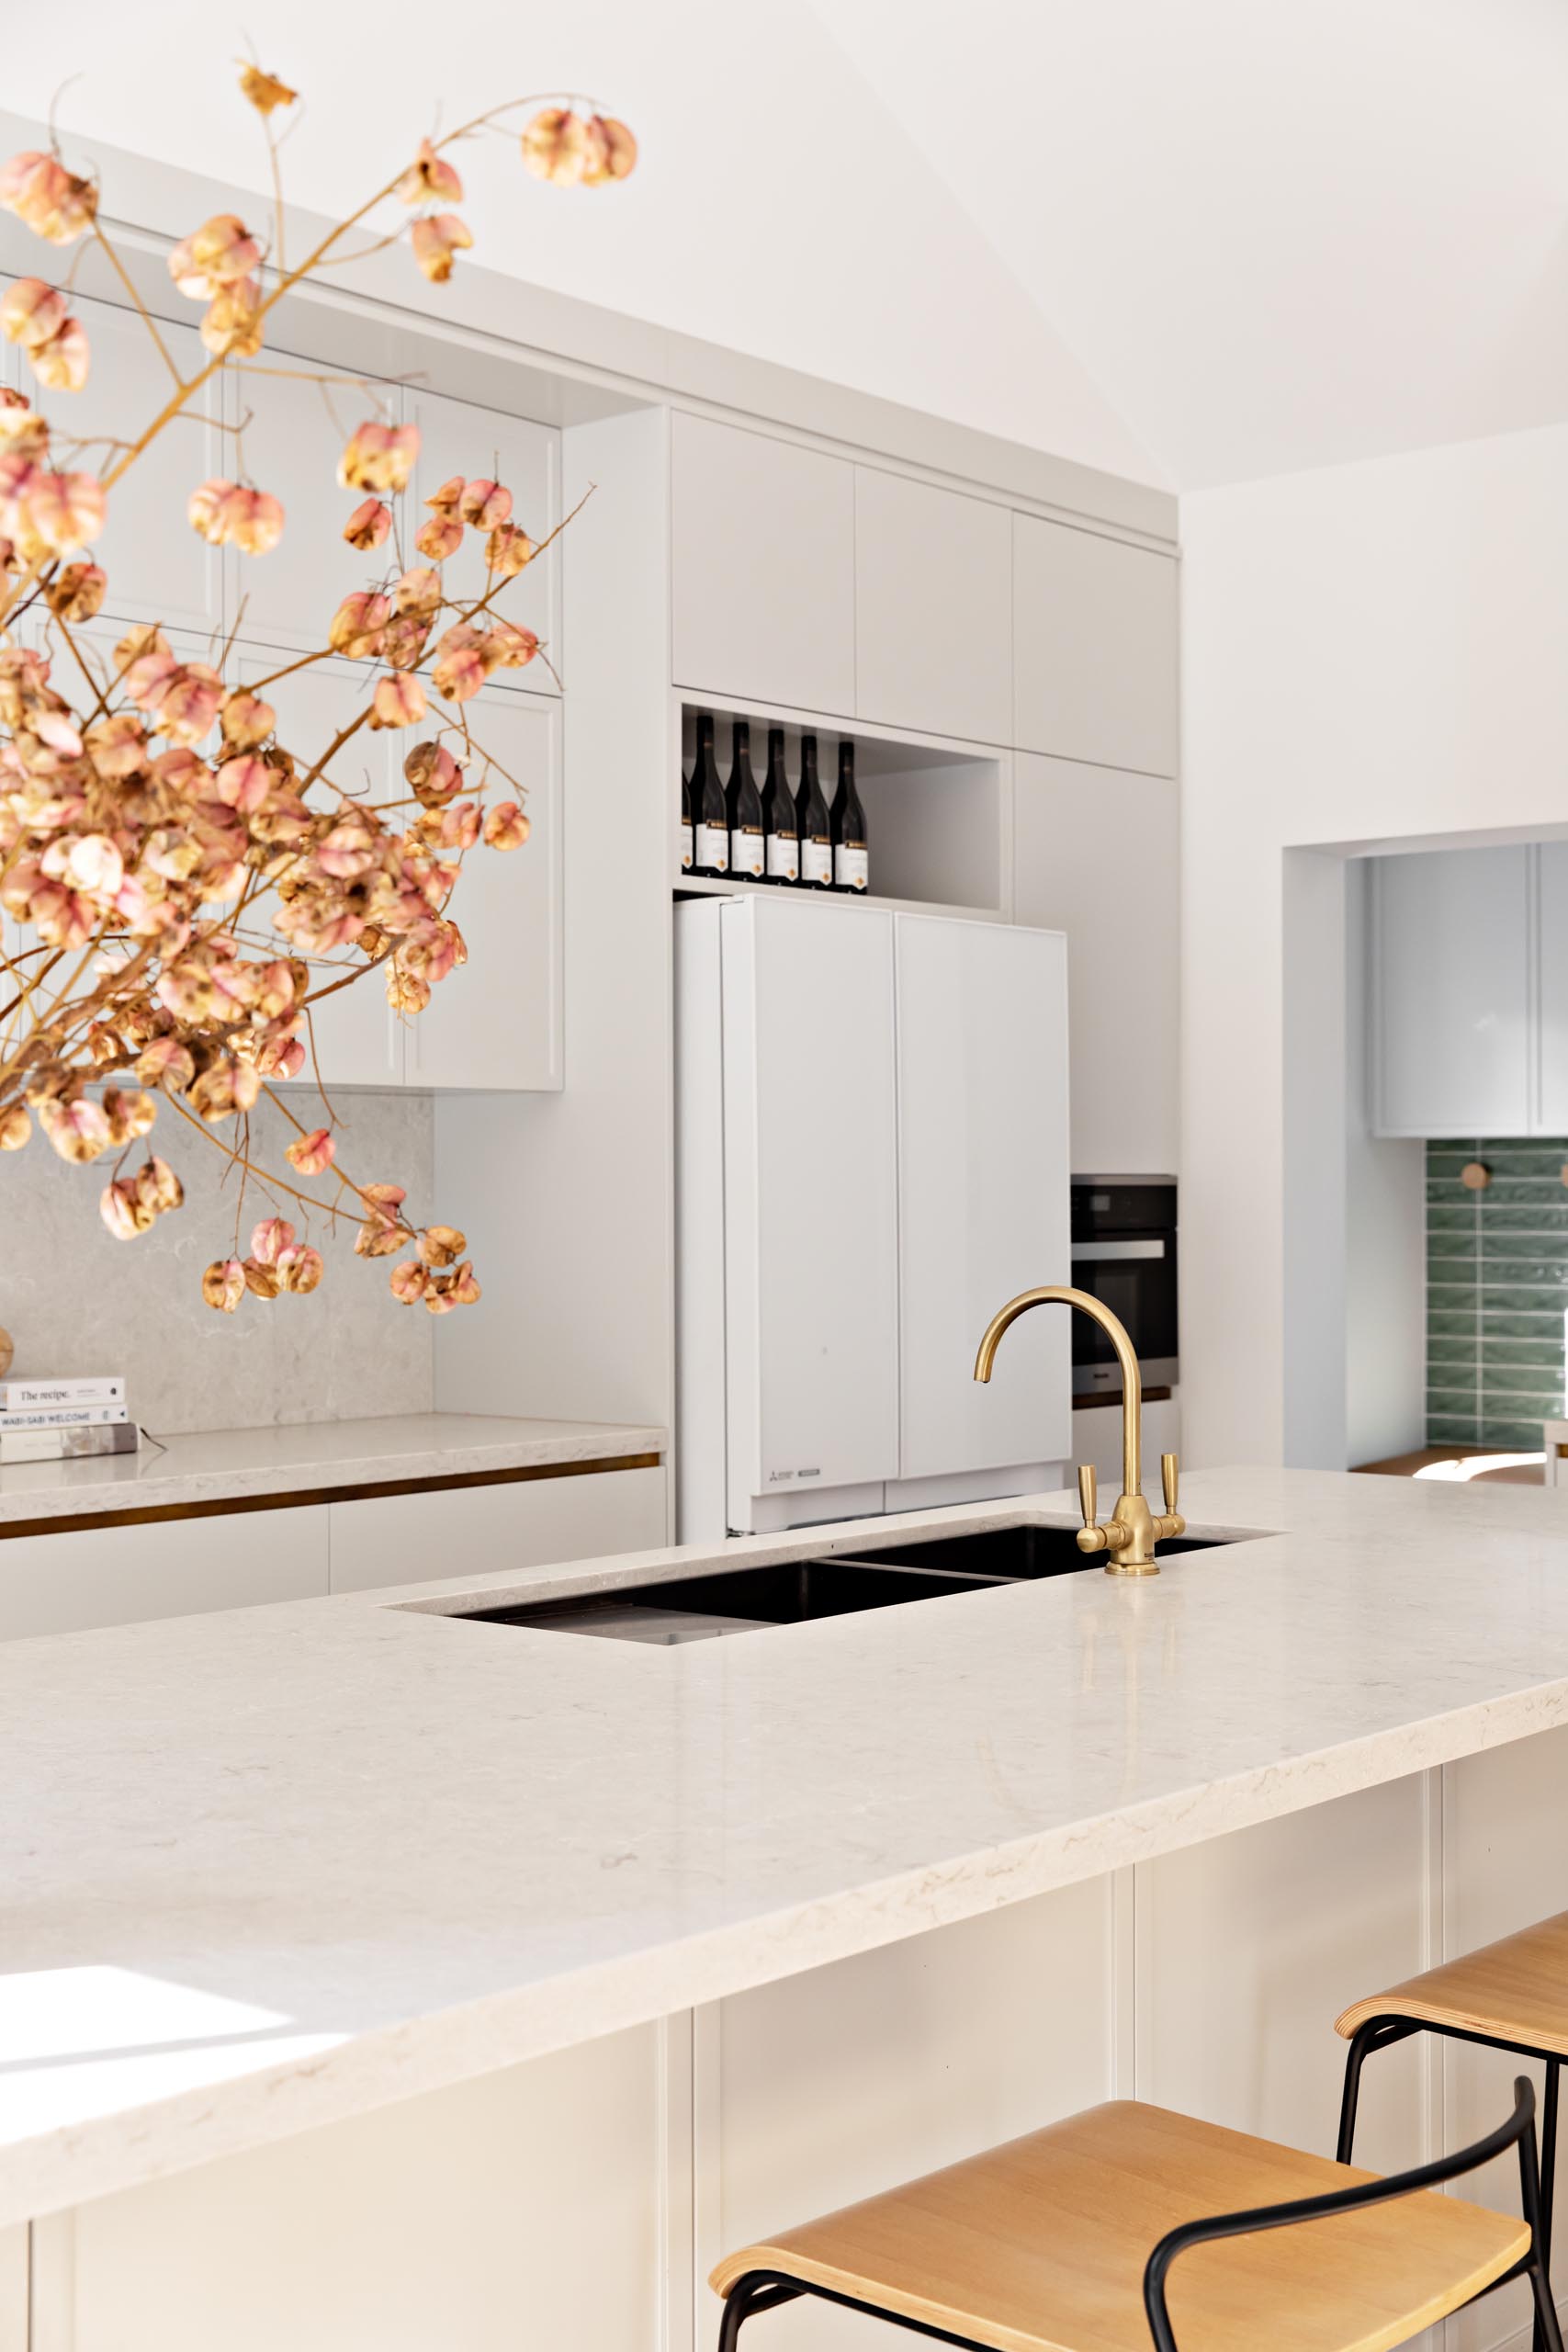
58 1420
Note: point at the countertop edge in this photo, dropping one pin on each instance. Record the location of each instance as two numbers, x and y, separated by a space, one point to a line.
73 2163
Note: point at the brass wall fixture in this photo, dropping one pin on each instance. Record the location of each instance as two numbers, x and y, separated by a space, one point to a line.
1132 1530
1475 1176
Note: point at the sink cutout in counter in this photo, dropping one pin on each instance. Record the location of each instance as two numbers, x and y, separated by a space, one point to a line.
721 1602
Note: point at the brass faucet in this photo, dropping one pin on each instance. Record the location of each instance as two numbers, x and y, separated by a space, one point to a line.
1133 1530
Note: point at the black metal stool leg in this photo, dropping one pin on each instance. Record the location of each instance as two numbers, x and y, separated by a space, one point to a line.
755 2293
1363 2042
1545 2338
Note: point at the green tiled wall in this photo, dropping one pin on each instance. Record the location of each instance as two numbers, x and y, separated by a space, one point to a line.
1497 1292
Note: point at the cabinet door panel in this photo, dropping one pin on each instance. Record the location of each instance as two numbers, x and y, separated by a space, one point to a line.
478 1531
1452 963
158 569
122 1576
1068 822
982 1190
293 437
1094 648
812 1286
458 438
359 1038
495 1023
763 553
1553 1002
933 609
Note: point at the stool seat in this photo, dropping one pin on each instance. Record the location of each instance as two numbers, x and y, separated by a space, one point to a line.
1515 1990
1040 2246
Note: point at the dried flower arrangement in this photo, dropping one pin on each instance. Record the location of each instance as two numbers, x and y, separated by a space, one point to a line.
184 885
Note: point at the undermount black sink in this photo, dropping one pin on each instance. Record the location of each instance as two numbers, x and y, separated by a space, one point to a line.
792 1592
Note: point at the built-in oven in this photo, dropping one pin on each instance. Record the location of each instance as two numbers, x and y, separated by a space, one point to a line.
1124 1255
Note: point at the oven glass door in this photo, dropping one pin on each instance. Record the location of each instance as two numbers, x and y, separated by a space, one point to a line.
1135 1278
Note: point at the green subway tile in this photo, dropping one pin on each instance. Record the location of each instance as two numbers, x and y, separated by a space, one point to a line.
1506 1242
1536 1216
1523 1193
1546 1350
1501 1402
1511 1437
1453 1429
1456 1348
1448 1246
1442 1325
1520 1314
1450 1216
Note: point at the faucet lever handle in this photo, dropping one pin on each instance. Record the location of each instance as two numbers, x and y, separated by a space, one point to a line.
1169 1471
1089 1494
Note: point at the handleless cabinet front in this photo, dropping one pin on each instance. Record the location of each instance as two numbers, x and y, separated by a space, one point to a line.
1453 992
1094 660
763 558
811 1272
933 609
983 1184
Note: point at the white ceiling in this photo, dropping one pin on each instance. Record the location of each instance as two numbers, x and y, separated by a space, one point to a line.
1194 241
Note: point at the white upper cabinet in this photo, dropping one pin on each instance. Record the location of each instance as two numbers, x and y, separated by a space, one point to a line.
1454 990
1551 1106
763 556
359 1038
1082 835
458 438
812 1185
158 569
294 432
1094 648
495 1023
933 602
982 1190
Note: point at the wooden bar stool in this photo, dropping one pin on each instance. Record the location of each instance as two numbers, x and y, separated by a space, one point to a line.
1511 1996
1065 2242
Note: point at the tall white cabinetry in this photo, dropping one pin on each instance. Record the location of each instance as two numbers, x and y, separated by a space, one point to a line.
1459 999
872 1155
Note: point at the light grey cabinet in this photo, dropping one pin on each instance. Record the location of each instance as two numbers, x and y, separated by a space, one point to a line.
763 559
158 569
1551 1034
455 437
1094 648
933 609
1084 837
1455 992
84 1577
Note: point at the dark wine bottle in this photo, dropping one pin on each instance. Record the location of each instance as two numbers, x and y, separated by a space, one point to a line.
851 859
782 840
686 844
711 844
811 814
744 803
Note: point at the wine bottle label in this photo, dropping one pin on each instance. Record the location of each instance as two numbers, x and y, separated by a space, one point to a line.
851 868
713 848
746 851
685 849
815 860
784 857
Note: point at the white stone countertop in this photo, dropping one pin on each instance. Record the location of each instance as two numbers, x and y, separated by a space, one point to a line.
268 1869
221 1466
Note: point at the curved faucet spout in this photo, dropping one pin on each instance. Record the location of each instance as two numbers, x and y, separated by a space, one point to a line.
1133 1532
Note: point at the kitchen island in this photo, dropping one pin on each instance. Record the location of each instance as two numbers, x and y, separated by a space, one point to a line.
379 1976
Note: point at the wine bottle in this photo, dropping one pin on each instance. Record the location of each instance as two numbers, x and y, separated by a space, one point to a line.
780 840
811 815
685 822
711 844
744 803
851 859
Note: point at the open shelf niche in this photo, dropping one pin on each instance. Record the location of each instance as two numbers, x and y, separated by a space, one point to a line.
933 809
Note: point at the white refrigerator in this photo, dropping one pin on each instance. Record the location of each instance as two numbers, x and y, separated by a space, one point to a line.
871 1157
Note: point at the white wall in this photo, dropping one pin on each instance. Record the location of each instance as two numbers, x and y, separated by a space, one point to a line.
1371 653
1386 1239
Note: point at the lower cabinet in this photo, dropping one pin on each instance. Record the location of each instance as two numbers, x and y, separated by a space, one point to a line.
176 1567
473 1531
